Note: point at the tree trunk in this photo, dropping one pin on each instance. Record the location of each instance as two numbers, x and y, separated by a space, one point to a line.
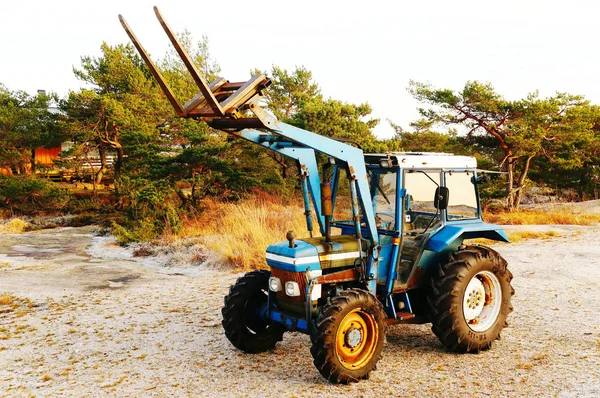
514 189
281 161
22 168
182 197
118 163
521 182
103 165
32 161
510 203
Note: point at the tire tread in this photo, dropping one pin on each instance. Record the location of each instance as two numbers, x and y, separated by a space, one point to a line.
445 304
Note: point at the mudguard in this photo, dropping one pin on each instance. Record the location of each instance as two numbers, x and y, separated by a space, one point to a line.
450 233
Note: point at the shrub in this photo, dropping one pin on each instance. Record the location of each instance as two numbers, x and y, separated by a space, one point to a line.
14 226
23 194
150 210
140 231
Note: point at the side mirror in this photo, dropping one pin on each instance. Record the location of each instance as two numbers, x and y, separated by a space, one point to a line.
442 195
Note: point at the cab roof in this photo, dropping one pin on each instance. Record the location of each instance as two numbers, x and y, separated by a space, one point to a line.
422 160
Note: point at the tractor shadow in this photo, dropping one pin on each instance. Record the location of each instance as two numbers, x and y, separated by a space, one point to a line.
412 337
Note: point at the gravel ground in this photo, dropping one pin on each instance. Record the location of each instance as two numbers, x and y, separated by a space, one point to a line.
87 319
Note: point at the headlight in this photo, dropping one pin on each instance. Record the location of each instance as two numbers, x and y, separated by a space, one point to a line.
292 289
274 284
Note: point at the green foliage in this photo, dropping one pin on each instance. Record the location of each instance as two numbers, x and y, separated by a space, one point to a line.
573 161
151 210
165 166
173 222
123 107
289 91
165 221
29 195
339 120
140 231
86 204
175 72
423 139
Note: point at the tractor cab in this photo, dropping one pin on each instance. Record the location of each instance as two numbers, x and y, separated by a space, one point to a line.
414 196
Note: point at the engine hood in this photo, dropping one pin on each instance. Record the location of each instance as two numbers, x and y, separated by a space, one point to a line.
315 253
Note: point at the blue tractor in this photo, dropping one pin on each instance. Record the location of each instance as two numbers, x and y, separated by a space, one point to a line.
391 247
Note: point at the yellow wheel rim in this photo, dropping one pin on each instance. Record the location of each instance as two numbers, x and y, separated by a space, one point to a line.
356 339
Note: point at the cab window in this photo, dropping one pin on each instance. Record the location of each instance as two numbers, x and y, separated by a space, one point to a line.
421 213
462 202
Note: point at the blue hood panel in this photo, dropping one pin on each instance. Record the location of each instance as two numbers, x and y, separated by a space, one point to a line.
297 259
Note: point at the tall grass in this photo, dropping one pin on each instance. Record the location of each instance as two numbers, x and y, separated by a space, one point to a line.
539 217
240 232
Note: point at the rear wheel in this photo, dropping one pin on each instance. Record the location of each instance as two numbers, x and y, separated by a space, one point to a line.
243 320
470 299
349 337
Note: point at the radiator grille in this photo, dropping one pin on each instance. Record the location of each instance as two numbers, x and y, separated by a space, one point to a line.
289 276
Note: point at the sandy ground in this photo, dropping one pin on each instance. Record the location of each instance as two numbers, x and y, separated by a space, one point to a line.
87 319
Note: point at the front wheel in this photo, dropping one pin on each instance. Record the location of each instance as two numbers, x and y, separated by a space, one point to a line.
243 319
470 299
349 337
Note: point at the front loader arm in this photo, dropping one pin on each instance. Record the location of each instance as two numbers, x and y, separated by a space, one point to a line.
229 107
305 158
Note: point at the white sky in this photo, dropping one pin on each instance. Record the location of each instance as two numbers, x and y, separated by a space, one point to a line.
358 51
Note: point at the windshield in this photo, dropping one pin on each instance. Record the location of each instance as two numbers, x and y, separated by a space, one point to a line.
382 183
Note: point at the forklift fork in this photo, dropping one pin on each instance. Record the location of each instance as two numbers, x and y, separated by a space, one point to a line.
219 103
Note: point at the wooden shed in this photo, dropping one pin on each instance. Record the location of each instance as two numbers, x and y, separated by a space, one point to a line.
46 157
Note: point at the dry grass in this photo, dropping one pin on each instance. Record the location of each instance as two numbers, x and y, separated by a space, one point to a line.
539 217
240 232
16 306
6 299
14 226
517 236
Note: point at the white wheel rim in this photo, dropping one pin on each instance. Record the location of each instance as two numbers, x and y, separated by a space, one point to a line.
482 301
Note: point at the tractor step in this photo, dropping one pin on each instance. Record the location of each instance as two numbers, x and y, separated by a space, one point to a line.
404 315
